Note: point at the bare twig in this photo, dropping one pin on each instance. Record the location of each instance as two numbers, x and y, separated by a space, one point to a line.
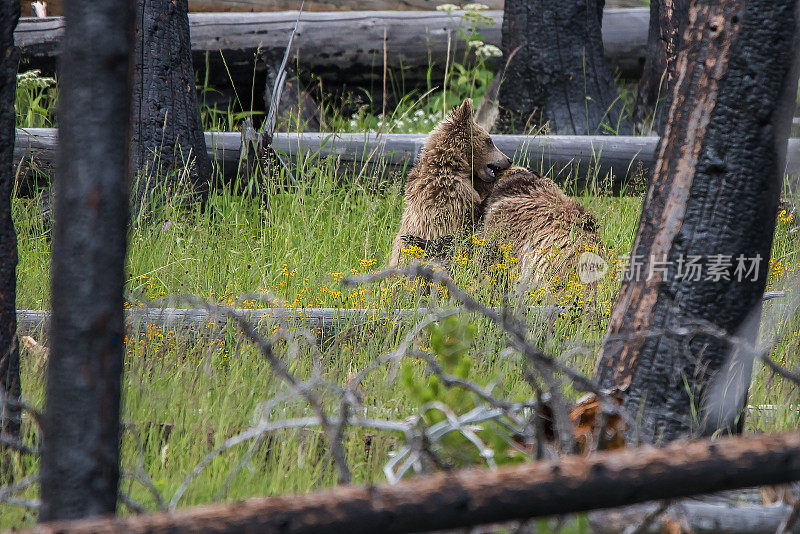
144 479
516 330
266 427
511 325
12 443
283 372
132 505
648 519
7 493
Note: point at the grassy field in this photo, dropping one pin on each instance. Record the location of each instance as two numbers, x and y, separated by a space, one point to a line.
291 246
297 246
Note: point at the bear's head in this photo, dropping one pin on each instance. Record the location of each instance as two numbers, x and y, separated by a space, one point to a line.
460 145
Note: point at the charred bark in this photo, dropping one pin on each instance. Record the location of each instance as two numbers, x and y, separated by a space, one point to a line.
167 129
667 21
9 345
711 202
559 74
80 457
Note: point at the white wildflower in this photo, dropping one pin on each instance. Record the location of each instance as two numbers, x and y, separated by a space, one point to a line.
475 6
447 8
489 51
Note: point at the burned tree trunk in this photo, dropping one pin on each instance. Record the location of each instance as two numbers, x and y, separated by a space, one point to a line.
559 74
704 238
167 129
9 346
667 21
80 456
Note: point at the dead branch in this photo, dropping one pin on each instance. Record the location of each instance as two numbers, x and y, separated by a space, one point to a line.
7 493
14 444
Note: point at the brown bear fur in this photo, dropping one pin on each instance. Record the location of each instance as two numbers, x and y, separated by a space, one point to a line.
547 230
444 191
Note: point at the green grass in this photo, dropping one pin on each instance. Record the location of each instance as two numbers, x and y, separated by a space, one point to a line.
295 244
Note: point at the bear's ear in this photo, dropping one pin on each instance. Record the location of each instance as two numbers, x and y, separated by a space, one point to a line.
463 113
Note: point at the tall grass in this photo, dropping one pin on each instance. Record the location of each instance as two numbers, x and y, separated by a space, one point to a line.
184 394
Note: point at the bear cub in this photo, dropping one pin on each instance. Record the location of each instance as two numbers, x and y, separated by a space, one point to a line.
547 230
444 191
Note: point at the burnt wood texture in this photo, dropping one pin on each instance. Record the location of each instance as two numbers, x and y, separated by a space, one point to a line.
559 74
80 459
712 199
667 21
9 345
167 129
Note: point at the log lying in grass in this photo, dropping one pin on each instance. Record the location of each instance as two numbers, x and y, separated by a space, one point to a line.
342 47
478 496
325 323
215 6
619 155
54 6
700 517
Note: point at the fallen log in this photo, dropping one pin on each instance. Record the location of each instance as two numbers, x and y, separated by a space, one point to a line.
216 6
564 156
700 517
54 6
325 323
342 47
478 496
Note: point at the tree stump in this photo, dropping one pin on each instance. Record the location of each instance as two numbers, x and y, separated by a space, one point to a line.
167 128
559 74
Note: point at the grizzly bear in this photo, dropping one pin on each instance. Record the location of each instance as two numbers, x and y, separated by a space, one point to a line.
454 174
547 231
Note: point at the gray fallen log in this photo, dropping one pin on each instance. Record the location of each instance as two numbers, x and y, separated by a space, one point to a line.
54 7
700 517
561 154
325 323
343 47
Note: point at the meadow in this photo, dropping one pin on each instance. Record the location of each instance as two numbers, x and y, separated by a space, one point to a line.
290 246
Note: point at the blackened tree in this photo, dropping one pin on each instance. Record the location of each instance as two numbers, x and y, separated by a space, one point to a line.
9 346
167 128
668 19
80 452
711 203
559 74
